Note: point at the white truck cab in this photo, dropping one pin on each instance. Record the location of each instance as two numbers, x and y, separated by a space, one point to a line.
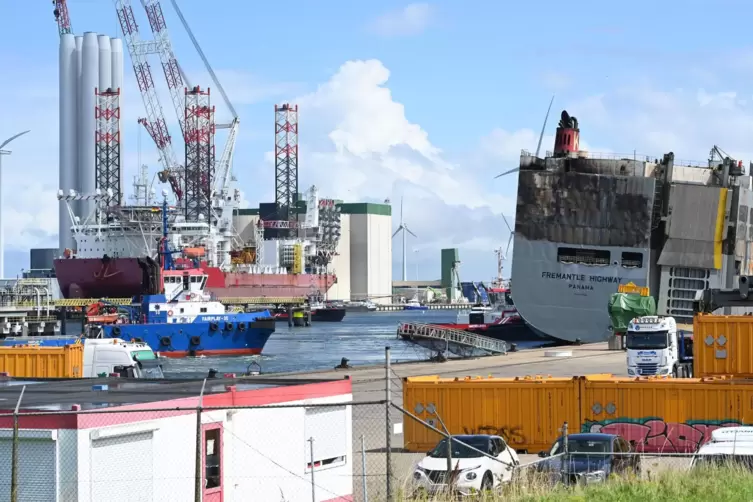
103 356
653 346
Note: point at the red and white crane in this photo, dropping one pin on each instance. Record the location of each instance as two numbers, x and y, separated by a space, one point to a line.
222 199
61 16
154 122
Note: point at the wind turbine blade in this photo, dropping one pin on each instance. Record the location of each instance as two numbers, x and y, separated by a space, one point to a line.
507 224
543 128
409 231
401 210
397 231
515 170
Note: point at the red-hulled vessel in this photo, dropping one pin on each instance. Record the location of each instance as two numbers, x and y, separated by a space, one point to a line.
118 258
124 277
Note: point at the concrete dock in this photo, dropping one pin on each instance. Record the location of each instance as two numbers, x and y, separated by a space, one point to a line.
369 385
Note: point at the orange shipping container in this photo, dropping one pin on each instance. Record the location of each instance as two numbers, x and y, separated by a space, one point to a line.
723 345
528 412
42 362
656 414
664 415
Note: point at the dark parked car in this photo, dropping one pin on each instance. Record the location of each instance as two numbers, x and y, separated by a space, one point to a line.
590 458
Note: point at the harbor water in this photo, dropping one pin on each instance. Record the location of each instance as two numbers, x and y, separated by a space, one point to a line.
361 338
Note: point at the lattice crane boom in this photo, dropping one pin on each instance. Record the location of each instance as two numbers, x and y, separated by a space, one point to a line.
223 175
176 83
154 122
61 16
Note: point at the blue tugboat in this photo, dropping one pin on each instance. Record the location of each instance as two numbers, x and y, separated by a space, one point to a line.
185 321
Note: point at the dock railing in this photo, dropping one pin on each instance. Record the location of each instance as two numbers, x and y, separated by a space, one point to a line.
417 331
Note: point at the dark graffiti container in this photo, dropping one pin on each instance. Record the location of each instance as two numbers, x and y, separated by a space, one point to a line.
664 415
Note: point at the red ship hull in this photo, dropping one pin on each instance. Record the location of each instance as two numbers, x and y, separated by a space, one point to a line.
100 278
239 285
126 277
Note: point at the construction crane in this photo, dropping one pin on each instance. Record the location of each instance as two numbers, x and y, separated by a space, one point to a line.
223 200
61 16
154 122
174 76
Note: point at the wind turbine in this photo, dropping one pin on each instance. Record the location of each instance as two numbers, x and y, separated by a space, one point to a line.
403 228
501 257
538 147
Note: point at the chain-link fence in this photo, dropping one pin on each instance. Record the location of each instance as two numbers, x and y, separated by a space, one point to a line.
328 449
296 452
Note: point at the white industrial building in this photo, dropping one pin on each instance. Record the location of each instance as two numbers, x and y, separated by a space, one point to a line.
363 259
248 454
341 262
370 251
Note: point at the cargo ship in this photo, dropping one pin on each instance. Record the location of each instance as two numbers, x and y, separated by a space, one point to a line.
118 257
587 223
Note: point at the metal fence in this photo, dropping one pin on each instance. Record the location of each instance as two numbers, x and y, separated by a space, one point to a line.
347 450
295 452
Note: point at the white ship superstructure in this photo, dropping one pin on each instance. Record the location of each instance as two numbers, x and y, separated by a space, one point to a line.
136 232
585 224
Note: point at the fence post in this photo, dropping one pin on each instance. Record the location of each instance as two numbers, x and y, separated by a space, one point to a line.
14 451
311 456
388 422
197 472
363 468
564 448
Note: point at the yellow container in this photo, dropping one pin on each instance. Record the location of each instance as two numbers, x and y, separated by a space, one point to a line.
528 412
664 414
723 345
42 362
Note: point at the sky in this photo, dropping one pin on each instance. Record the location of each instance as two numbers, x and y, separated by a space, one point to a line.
421 101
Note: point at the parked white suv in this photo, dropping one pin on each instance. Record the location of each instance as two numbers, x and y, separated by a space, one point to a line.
474 471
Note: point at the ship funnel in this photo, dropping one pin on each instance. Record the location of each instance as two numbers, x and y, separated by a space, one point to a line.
567 140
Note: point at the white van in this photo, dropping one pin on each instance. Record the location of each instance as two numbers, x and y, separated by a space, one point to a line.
728 445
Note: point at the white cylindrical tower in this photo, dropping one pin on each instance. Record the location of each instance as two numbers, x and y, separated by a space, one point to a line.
77 183
89 82
67 133
105 63
116 49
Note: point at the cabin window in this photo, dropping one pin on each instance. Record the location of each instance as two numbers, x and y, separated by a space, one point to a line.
182 310
632 260
583 256
203 310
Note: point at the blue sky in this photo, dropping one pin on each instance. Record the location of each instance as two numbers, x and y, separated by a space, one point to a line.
423 100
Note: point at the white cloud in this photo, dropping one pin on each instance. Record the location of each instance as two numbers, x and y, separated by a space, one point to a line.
412 19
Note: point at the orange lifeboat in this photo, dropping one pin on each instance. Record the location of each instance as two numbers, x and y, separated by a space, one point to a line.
194 252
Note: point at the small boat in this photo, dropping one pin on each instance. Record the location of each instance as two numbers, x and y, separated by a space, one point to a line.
319 313
414 304
367 306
